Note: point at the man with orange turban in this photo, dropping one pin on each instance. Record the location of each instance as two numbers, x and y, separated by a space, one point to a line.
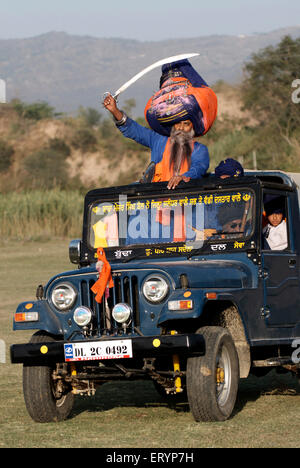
183 108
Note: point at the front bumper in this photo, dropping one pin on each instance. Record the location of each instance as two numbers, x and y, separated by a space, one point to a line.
142 346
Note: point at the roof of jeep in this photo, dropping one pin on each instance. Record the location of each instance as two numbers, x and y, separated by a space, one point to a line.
281 177
296 177
291 180
288 178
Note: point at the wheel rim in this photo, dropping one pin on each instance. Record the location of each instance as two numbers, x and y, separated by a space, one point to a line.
59 395
223 376
60 403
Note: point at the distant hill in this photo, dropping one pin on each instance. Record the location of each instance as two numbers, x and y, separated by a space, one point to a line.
69 71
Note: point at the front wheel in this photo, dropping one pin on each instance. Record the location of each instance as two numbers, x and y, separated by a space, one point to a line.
47 398
212 380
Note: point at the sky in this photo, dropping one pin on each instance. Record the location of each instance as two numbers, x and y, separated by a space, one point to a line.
145 20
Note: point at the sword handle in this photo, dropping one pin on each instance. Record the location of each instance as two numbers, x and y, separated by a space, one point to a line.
109 94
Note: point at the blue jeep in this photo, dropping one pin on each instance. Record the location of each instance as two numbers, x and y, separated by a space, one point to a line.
198 300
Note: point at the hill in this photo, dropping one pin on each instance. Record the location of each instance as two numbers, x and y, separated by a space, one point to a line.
68 71
258 123
85 155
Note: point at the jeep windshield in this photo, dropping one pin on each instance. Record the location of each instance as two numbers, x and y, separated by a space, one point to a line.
170 224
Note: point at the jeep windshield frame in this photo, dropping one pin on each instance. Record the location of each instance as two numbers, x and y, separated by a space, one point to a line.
211 193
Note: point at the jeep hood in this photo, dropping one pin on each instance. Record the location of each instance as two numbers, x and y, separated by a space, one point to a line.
209 273
201 273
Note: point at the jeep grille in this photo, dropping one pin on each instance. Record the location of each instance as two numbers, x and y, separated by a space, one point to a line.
125 290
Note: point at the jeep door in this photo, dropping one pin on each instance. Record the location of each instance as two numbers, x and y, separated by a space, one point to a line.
281 276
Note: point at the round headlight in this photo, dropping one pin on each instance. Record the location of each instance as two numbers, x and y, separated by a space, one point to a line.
63 296
82 316
122 313
155 289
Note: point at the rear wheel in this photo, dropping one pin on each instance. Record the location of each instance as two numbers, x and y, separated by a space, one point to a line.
47 397
212 379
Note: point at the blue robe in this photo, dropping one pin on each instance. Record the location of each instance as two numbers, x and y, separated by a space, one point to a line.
157 144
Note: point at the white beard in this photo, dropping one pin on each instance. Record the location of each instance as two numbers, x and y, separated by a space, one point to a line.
181 147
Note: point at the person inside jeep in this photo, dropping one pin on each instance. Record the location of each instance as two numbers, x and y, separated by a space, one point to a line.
231 220
229 168
275 233
226 169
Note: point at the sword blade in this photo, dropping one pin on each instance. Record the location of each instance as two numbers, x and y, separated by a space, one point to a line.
151 67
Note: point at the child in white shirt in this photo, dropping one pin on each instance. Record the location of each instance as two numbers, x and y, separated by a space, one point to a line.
275 233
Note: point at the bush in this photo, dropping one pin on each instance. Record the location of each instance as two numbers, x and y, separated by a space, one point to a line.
47 168
35 111
59 146
90 116
6 153
84 140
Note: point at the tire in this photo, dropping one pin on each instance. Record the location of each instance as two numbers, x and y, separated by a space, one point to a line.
39 390
213 379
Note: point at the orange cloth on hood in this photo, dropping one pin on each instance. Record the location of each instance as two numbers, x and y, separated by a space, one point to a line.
105 279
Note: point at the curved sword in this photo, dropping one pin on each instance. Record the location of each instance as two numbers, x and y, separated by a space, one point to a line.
147 70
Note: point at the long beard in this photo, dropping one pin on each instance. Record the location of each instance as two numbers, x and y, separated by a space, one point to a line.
181 149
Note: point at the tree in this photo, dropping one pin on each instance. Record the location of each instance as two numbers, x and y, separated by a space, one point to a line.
267 91
267 88
90 116
35 111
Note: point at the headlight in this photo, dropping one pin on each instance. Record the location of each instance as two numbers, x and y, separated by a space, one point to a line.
82 316
122 313
155 289
63 296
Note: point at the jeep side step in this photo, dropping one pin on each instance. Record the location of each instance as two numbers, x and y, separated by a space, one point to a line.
275 362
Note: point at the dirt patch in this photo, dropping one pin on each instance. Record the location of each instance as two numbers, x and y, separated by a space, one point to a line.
230 106
94 168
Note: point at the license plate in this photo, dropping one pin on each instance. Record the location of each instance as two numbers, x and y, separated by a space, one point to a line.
98 350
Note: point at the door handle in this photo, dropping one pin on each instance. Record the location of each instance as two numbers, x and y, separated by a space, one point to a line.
292 261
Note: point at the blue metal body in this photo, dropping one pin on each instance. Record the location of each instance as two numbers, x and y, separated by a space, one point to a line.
264 286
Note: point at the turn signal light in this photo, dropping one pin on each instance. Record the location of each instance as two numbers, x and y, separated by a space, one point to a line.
180 305
26 316
211 295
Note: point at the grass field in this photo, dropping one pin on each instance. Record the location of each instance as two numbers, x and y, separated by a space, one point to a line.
127 414
40 215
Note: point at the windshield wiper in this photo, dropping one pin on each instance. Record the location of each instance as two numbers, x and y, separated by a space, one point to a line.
194 252
133 257
221 233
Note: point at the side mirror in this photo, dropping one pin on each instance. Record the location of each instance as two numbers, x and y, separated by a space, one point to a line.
74 251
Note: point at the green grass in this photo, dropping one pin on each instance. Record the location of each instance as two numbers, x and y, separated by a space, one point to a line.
40 214
127 414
